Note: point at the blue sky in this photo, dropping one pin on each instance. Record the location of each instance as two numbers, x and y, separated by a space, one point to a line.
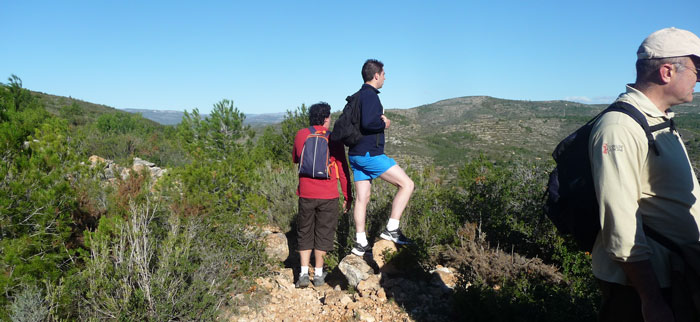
271 56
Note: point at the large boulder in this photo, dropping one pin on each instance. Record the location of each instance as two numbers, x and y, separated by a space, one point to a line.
380 251
276 246
355 269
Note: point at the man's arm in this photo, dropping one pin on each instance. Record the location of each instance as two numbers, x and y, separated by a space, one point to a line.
642 277
372 113
338 153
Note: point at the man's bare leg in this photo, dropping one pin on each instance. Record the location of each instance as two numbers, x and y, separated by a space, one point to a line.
362 194
396 176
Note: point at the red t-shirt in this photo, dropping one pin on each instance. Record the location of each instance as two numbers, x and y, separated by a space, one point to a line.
323 188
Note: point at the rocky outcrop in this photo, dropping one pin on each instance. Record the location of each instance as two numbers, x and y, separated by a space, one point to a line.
369 278
276 245
112 171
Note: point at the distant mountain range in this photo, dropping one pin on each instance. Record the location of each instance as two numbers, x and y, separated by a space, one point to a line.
55 103
166 117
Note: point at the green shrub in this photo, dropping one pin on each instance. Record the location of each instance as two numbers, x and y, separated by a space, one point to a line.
519 298
155 265
277 187
217 136
29 305
506 201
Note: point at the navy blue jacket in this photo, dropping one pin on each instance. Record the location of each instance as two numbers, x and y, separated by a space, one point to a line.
371 125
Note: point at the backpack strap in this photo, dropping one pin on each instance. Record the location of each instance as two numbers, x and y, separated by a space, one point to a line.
669 123
636 115
312 129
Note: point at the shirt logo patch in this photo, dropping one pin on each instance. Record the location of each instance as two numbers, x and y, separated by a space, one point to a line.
610 148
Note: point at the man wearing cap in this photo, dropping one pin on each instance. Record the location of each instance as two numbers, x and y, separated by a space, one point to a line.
635 186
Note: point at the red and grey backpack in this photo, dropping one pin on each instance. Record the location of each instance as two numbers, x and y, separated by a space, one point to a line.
315 155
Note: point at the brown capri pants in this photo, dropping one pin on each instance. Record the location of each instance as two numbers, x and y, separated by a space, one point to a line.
316 223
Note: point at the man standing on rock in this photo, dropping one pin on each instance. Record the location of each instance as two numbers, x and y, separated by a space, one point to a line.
637 187
318 196
368 161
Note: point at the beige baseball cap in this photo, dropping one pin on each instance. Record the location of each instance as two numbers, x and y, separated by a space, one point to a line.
669 42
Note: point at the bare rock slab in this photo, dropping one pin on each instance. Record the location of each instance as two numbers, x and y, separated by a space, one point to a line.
355 269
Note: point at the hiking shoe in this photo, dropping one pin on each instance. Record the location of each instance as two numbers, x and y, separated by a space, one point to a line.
360 250
320 280
303 281
396 236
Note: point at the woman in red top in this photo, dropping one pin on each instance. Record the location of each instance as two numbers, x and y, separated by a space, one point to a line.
318 199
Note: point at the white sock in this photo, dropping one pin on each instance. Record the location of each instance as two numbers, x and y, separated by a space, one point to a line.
318 271
361 238
304 270
393 224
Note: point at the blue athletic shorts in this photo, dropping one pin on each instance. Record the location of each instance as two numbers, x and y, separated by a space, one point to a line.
366 167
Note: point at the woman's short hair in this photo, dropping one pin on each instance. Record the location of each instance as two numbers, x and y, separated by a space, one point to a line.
318 113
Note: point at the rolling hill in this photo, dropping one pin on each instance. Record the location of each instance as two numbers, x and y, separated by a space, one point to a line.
448 132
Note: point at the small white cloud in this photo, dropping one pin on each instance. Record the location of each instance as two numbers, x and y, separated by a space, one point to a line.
589 100
578 99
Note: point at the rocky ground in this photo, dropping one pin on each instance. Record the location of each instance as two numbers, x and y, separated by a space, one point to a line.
360 289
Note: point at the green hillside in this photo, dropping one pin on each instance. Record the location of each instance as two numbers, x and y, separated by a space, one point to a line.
450 131
82 111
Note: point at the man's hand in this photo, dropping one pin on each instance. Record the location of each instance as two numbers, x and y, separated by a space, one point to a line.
657 311
386 121
642 278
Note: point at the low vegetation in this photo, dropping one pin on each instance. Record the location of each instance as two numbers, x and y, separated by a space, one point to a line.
75 246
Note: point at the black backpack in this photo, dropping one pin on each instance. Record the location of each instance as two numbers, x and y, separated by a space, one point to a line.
347 127
571 202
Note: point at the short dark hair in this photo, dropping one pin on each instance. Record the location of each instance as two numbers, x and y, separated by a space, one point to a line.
318 113
647 68
371 67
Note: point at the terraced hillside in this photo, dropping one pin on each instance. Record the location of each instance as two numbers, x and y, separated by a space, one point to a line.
448 132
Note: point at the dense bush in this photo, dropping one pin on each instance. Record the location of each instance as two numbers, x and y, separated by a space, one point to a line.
156 265
39 213
505 199
120 136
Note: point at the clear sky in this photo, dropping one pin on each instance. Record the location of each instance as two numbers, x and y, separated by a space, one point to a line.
272 56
